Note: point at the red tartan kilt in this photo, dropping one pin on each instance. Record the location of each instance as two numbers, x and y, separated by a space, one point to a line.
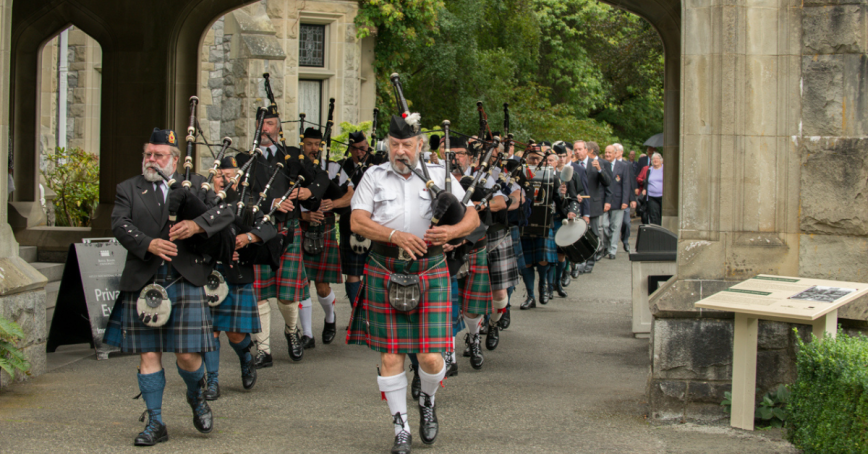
475 288
376 324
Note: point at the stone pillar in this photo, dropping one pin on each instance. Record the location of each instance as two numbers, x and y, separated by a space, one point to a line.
22 288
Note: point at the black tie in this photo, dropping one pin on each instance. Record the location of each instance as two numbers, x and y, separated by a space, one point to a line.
158 194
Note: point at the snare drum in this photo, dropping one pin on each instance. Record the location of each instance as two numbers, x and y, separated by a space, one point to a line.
578 242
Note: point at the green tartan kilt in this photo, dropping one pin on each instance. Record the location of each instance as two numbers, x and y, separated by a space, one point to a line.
290 282
376 324
475 288
325 267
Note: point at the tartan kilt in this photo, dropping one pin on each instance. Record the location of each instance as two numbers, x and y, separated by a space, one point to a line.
476 287
427 329
516 247
188 330
539 249
290 282
326 267
502 268
238 313
352 264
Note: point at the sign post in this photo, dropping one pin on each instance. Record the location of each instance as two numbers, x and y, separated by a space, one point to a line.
812 302
88 290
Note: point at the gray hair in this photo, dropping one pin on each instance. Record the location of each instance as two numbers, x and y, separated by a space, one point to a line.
619 148
657 155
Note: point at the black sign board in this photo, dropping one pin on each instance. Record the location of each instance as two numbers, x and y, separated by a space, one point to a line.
90 285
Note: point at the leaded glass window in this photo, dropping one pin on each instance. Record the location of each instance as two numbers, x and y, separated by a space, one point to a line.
311 45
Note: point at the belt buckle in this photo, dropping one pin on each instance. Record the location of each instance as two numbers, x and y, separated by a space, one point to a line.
403 255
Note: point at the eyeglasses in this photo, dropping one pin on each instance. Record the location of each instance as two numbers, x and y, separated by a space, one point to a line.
157 156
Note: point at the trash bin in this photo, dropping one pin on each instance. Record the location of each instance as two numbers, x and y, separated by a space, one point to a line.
653 263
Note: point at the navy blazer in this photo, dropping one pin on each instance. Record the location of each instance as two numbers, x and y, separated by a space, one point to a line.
620 191
597 185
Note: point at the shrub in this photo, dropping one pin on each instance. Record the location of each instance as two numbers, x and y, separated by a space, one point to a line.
828 409
11 358
74 175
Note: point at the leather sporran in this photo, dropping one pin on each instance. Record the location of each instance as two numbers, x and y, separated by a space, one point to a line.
405 292
313 243
464 270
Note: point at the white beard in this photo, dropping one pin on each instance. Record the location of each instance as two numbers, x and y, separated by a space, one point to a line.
151 175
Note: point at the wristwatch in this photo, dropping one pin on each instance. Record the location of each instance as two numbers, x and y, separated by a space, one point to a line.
249 238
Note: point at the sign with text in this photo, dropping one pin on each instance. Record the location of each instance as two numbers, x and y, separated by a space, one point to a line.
88 290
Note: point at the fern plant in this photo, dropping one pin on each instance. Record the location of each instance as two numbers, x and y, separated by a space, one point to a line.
11 358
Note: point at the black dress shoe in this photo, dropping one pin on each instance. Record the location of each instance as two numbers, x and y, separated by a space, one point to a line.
155 432
203 419
248 372
416 386
504 320
577 268
484 328
308 342
212 387
561 291
294 344
626 247
451 368
565 281
611 257
328 332
473 342
263 360
529 303
493 337
427 420
403 440
543 294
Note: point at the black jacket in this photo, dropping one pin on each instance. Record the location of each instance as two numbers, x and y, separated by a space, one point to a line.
597 183
620 191
137 219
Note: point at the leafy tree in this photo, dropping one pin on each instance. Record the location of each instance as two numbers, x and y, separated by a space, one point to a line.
74 175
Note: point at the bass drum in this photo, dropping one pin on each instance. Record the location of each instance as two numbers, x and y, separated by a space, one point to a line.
577 241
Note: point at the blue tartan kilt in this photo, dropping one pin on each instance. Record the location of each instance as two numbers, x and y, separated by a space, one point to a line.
516 246
352 264
188 330
238 313
540 249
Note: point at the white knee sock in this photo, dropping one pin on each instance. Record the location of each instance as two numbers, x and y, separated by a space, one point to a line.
305 311
430 383
262 338
289 310
395 390
472 324
499 307
328 306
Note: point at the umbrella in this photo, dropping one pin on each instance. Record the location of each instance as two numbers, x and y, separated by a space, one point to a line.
655 141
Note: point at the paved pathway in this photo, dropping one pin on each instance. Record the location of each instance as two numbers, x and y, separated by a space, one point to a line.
567 377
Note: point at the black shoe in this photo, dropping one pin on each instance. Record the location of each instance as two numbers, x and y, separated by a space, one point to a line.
566 279
611 257
466 350
427 420
476 358
577 269
504 320
329 331
451 368
588 269
308 342
561 291
543 294
263 360
294 344
403 440
626 247
203 419
248 372
529 303
493 337
416 386
155 432
484 328
212 388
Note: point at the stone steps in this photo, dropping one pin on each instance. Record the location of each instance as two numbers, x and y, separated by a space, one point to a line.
52 271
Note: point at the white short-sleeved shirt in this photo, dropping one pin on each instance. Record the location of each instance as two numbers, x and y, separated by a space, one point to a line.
400 203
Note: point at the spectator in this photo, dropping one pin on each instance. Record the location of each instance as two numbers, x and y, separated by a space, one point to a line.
599 177
651 182
619 198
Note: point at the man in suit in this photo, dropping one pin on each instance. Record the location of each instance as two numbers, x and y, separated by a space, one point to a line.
158 254
599 178
634 185
620 197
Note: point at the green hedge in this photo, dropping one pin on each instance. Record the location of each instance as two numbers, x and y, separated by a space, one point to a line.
829 402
